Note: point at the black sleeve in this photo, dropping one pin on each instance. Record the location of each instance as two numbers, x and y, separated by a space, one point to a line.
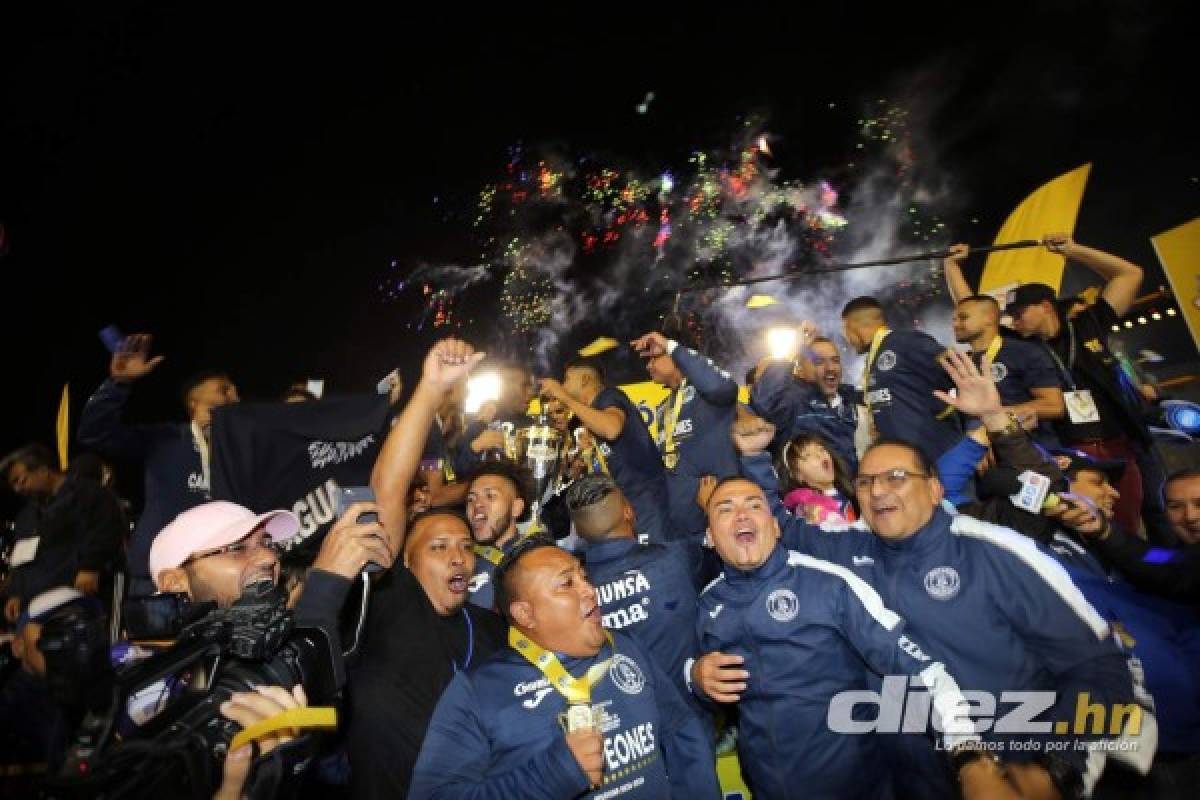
1170 573
104 526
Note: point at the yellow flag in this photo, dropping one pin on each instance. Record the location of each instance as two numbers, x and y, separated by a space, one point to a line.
601 345
761 301
1178 251
1052 208
62 427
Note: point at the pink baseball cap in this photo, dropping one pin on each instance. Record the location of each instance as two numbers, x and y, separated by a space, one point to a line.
213 525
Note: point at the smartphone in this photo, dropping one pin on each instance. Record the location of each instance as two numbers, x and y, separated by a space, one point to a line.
348 496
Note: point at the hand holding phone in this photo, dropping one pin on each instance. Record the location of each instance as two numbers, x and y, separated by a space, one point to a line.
357 542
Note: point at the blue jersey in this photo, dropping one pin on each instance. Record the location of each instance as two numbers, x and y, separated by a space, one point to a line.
634 463
496 734
899 393
707 403
1019 367
175 479
808 630
1003 614
794 406
646 591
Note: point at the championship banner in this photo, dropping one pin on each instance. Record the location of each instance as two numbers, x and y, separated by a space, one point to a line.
1178 251
296 456
1052 208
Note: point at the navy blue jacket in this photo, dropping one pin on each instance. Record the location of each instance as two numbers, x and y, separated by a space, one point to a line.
174 475
900 393
646 590
1162 636
636 466
702 437
1003 614
496 736
794 406
809 629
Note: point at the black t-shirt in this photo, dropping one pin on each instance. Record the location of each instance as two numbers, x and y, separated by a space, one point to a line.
633 459
1082 348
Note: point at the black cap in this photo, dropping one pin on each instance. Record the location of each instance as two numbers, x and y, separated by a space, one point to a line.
1077 460
1027 295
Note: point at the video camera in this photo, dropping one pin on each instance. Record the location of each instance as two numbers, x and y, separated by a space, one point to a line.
179 751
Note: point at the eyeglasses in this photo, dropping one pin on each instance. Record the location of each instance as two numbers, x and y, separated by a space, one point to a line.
243 547
892 479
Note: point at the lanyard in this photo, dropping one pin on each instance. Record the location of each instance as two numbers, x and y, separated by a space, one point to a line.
575 690
202 447
666 436
1065 369
993 349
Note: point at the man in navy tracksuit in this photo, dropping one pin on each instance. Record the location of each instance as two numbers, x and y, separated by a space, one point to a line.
644 589
504 727
699 411
175 455
828 407
783 634
625 450
1005 616
901 372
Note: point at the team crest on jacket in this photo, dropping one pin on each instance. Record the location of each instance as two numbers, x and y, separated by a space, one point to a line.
886 360
782 605
689 394
626 674
999 372
942 583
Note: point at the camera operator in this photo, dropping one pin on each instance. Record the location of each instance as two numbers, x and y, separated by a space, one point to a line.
33 728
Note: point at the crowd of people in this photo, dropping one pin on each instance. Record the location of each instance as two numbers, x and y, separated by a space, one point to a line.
966 576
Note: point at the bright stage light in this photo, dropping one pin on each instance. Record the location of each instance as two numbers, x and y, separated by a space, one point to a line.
781 342
481 389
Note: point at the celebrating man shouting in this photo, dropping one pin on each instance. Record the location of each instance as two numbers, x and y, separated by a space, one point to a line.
568 708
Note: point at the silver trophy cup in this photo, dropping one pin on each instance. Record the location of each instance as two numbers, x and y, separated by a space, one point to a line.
539 448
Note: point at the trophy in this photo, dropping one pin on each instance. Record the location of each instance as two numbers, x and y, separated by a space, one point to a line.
539 449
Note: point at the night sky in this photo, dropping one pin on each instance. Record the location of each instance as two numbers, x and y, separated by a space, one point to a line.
237 181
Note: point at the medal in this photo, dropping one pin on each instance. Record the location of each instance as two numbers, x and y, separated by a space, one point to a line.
580 717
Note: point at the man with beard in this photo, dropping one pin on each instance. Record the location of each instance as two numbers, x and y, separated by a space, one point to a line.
827 406
783 634
1024 373
498 493
569 710
420 629
624 448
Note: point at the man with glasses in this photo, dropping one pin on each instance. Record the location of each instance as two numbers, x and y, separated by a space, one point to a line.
1004 614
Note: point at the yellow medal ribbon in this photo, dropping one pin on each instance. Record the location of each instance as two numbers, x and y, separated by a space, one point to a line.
993 349
577 691
666 434
492 554
876 341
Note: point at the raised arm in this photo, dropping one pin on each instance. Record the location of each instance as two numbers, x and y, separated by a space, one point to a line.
396 466
956 282
1121 278
607 423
